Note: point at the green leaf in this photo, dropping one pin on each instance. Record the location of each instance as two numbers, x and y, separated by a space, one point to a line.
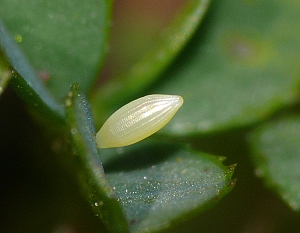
92 178
276 153
64 41
160 184
242 65
156 184
25 81
163 50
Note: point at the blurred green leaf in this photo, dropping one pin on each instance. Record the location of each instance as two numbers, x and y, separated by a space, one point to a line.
25 81
160 184
64 41
158 56
92 179
276 153
242 65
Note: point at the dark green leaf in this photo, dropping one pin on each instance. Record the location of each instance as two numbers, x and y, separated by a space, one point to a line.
157 57
25 81
92 179
276 153
159 184
64 41
242 65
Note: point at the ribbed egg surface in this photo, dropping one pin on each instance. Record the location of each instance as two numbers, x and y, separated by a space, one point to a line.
137 120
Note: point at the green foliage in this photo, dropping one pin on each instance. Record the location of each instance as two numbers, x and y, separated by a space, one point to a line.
239 70
154 183
65 42
95 186
156 58
276 153
239 76
158 183
25 81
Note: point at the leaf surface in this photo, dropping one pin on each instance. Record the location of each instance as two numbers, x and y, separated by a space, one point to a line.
25 81
161 184
145 70
155 184
64 41
241 66
276 153
92 177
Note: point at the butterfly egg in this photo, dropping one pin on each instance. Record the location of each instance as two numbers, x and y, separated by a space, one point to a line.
137 120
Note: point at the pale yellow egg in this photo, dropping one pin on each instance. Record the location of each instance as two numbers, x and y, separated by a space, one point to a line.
137 120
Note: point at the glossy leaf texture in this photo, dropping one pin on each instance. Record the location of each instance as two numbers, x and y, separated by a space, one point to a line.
25 80
145 70
64 42
92 177
276 154
241 66
161 184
